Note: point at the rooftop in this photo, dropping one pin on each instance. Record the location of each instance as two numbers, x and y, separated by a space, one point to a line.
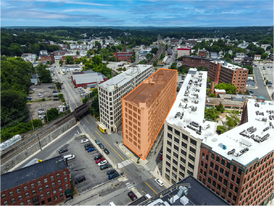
149 90
125 77
88 78
188 191
32 172
228 65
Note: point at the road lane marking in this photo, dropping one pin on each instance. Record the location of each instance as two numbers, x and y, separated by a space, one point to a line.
151 188
86 120
111 146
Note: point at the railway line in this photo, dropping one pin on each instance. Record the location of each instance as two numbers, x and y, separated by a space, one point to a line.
157 56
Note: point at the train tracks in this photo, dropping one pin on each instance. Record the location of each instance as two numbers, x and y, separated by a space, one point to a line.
159 52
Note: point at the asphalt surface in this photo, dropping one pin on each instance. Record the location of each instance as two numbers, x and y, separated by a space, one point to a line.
261 90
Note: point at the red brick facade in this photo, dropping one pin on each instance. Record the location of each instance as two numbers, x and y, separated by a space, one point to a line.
251 184
47 190
202 54
123 56
191 61
47 58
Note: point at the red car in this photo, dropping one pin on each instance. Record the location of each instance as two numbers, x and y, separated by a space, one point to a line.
99 160
161 157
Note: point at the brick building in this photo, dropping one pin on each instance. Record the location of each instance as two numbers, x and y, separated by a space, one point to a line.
45 183
220 71
247 61
59 52
145 109
45 58
238 164
202 53
195 61
123 56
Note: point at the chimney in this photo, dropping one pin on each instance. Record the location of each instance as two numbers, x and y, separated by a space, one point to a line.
125 46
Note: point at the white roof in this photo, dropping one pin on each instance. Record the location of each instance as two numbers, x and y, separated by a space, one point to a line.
231 139
125 77
228 65
219 90
88 78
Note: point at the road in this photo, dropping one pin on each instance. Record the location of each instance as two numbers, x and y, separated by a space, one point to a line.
261 90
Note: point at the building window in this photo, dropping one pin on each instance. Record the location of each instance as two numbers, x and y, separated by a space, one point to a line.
190 173
29 202
51 177
66 179
225 182
65 172
45 180
183 152
20 197
39 183
169 150
175 162
3 196
215 175
53 184
18 191
6 203
191 157
169 143
177 132
40 189
182 167
168 157
42 196
58 175
168 164
221 170
192 141
176 140
67 186
49 200
184 145
169 135
193 150
59 182
25 188
167 177
182 160
223 190
220 179
32 185
27 194
46 187
185 137
11 193
48 193
216 167
212 156
226 173
211 164
33 192
175 154
54 191
229 194
169 128
12 200
176 148
61 194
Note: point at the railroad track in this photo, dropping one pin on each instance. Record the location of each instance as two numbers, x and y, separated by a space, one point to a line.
159 52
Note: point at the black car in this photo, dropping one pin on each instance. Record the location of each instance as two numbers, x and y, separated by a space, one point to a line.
63 150
132 196
97 141
97 157
101 145
111 172
52 87
80 179
106 151
102 167
89 145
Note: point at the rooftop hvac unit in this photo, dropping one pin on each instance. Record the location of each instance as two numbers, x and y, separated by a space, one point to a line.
173 199
231 152
265 129
214 139
184 200
222 146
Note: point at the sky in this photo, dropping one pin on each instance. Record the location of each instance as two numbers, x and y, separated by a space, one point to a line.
171 13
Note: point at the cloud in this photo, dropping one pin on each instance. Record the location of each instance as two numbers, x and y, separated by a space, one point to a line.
65 2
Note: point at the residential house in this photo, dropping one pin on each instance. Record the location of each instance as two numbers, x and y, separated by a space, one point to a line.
257 57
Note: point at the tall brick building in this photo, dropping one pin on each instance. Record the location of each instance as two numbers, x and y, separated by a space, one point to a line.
47 183
237 164
220 71
195 61
145 110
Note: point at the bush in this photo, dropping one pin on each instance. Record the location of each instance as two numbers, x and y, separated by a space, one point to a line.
61 96
221 129
212 95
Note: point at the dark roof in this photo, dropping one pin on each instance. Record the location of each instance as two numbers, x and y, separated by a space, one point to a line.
23 175
198 194
197 57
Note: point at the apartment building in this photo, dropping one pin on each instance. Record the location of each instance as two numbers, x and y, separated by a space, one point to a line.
145 109
113 90
185 128
237 165
220 71
45 183
196 61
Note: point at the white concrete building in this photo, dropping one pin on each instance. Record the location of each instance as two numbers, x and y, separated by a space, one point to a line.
113 90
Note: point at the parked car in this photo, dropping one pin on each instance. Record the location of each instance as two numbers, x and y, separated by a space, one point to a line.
52 87
69 157
111 172
102 162
99 160
112 176
159 182
88 146
91 149
63 150
84 141
54 92
106 151
104 167
97 157
80 179
161 157
101 146
251 91
132 196
97 141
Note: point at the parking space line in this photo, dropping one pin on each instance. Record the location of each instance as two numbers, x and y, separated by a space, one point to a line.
110 146
151 188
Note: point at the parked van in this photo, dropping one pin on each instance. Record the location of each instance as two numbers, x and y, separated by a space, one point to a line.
69 157
112 176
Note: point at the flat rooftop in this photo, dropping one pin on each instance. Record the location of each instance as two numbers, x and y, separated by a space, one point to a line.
87 78
149 90
125 77
188 191
189 107
228 65
32 172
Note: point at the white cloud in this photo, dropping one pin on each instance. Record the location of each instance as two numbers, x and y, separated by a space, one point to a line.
66 2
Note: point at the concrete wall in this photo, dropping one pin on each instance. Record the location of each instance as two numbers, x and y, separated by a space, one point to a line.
35 147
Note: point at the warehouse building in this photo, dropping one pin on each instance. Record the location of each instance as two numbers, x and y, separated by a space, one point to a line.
89 78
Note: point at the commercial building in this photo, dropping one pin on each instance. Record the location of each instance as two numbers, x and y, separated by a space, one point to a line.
84 80
237 164
202 53
113 90
124 56
195 61
182 51
247 61
145 109
220 71
188 191
47 183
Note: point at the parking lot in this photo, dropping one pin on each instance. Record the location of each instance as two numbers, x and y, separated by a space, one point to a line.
84 165
43 88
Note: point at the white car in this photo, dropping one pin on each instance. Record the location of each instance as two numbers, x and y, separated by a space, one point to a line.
84 141
102 163
159 182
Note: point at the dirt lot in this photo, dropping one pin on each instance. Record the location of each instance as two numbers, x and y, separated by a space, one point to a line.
44 87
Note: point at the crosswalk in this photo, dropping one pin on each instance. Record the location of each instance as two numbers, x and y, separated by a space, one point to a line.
124 163
130 186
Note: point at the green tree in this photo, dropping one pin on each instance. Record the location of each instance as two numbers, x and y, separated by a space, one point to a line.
69 60
246 92
264 55
94 108
173 65
51 114
180 58
58 85
221 129
212 95
154 50
43 74
77 52
155 63
220 108
61 62
97 60
229 88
